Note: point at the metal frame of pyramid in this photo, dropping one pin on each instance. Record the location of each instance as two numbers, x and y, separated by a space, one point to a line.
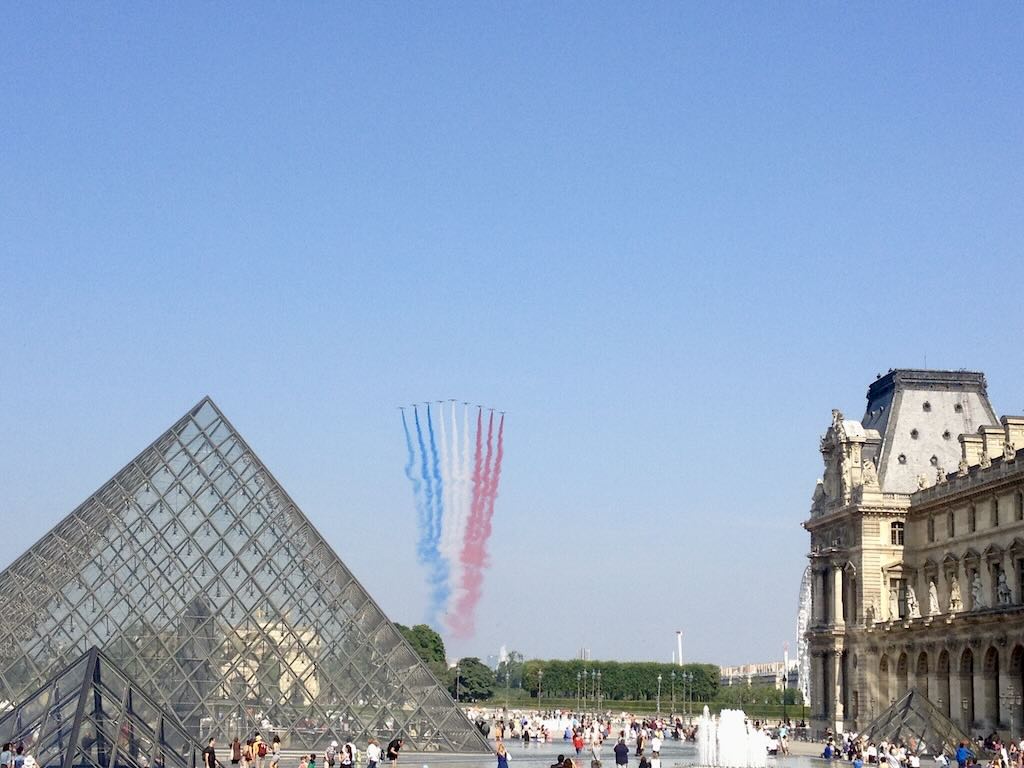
916 723
197 574
92 715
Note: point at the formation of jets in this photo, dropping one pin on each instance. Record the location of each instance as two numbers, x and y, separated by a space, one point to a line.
441 402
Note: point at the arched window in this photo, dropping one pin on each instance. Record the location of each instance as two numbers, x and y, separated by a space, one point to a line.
972 519
896 534
951 524
1019 504
995 511
931 529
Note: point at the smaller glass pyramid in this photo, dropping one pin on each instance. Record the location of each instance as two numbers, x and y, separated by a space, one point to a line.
913 721
92 715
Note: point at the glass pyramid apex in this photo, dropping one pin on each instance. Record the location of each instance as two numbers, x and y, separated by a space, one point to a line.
194 571
92 715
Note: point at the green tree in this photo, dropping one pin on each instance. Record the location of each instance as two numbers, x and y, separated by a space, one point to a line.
429 646
510 672
471 680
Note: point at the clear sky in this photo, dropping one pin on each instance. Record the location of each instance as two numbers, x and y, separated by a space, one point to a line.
667 238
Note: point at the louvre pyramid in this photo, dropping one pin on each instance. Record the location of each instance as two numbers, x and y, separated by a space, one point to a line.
916 723
91 715
195 572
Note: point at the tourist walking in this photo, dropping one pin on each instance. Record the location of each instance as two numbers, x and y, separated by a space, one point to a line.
275 751
259 748
347 755
236 751
330 753
502 754
210 755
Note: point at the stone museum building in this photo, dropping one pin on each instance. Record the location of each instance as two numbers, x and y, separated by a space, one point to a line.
917 556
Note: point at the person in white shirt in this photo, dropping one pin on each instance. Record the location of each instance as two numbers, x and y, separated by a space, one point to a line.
656 745
372 754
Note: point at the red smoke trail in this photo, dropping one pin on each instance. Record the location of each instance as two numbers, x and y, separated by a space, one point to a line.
474 551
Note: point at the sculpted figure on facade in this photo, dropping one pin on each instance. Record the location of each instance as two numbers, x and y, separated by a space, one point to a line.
956 603
869 474
894 605
963 468
1009 452
933 599
940 475
1003 593
871 612
913 608
978 600
986 460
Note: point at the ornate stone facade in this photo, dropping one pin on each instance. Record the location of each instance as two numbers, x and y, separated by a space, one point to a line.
917 556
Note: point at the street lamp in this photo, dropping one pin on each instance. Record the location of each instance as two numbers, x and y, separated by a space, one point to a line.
540 681
578 676
689 695
673 693
785 674
458 674
599 690
593 687
659 695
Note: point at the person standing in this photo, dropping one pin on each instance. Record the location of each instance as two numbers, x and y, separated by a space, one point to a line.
275 751
621 752
236 751
502 755
372 753
394 747
210 755
259 749
331 753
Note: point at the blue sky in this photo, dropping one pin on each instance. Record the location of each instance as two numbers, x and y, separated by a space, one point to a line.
667 238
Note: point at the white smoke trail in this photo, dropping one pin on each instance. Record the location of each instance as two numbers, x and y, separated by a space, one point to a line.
448 544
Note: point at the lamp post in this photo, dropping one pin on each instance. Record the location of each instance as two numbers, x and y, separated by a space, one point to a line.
584 688
579 675
540 681
785 674
599 690
458 675
689 699
659 695
673 675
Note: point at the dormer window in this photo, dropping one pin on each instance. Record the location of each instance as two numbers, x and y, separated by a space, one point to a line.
913 434
958 408
946 435
927 407
902 458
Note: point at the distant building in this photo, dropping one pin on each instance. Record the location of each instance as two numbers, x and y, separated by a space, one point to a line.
917 556
584 654
777 674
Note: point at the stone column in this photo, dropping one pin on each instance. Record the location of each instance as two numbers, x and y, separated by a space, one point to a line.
837 688
837 595
818 596
1005 687
956 696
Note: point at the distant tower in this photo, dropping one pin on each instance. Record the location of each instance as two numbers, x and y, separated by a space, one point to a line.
679 647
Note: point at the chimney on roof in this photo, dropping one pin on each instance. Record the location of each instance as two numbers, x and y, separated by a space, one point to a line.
971 447
993 437
1014 426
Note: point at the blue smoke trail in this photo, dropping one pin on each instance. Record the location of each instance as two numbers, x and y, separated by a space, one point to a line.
428 550
439 575
421 511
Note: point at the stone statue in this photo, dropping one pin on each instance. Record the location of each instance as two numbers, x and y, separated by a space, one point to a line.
1009 451
986 460
870 613
977 593
933 599
1003 593
913 609
894 605
922 481
869 474
940 475
963 468
956 603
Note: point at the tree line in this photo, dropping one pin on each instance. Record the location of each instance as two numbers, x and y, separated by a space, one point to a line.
472 680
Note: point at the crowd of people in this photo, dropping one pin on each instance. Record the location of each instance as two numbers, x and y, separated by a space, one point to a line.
990 751
256 753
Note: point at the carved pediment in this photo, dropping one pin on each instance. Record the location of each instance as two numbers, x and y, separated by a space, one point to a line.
971 556
1017 547
993 552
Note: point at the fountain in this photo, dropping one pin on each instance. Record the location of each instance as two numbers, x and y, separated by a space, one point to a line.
730 741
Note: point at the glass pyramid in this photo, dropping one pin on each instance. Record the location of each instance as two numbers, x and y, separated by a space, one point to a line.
91 715
913 721
195 572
